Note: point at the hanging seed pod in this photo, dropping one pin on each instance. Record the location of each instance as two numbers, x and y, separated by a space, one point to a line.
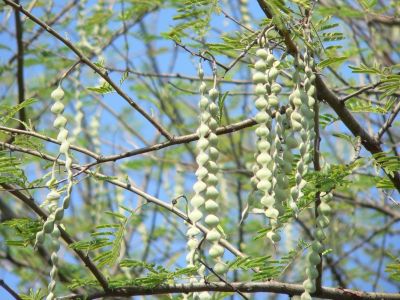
78 118
55 235
56 213
211 204
197 201
244 10
297 124
314 256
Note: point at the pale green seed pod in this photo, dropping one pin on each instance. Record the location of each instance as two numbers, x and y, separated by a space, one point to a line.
220 268
60 122
260 65
212 220
57 94
195 215
53 196
305 296
211 206
309 286
213 93
216 251
314 258
274 237
262 53
259 77
57 108
213 235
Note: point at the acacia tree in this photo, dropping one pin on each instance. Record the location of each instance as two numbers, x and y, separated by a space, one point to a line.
199 149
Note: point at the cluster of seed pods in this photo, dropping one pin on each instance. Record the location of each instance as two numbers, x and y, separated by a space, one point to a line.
302 121
314 256
281 148
56 213
200 186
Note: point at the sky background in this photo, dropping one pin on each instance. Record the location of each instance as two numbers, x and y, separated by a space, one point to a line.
185 64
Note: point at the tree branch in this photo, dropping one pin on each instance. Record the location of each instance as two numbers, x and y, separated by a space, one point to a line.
5 286
20 65
325 94
245 287
64 235
91 65
389 121
124 185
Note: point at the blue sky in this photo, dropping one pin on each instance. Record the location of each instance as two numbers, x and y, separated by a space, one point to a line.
185 65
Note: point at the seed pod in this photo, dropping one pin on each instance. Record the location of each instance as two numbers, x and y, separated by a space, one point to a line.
60 122
57 94
216 251
57 108
213 93
192 231
213 235
53 196
211 206
212 220
273 101
314 258
309 286
274 237
259 77
260 65
305 296
48 226
195 215
220 268
262 53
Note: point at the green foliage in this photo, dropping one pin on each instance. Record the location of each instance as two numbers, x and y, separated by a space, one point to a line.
327 119
109 236
192 15
132 34
105 88
156 276
394 269
387 162
25 229
332 60
332 178
266 268
10 171
33 295
360 106
8 112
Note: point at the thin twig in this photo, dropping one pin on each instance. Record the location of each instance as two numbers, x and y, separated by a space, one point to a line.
236 21
5 286
64 235
360 91
94 67
124 185
222 279
184 47
389 121
20 66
